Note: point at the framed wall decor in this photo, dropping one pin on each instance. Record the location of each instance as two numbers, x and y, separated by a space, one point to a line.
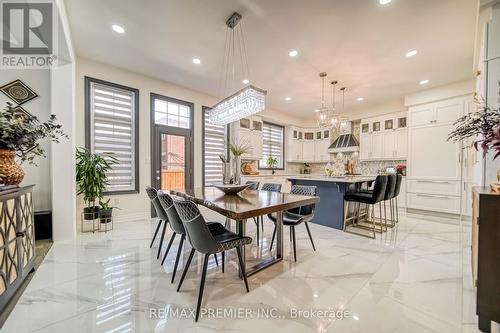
18 92
22 113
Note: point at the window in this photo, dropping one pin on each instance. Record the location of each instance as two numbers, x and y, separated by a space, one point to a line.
111 115
214 137
272 145
170 113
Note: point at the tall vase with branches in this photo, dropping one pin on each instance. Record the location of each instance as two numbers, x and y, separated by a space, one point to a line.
237 150
482 126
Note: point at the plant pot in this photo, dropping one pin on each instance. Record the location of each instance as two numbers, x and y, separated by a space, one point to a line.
10 172
105 215
90 213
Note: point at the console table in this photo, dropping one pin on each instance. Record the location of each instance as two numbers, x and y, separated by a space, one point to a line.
486 254
17 240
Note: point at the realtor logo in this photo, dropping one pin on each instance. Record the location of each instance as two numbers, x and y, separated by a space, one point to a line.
28 34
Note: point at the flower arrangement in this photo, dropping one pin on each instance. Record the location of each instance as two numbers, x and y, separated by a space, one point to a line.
482 125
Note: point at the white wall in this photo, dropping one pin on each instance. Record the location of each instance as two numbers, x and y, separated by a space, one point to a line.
135 206
454 89
38 81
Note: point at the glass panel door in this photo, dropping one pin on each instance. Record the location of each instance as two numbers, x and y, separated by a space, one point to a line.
173 161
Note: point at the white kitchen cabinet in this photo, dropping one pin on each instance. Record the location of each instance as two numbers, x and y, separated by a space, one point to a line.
377 146
431 156
389 142
365 146
401 144
248 131
321 153
308 150
434 165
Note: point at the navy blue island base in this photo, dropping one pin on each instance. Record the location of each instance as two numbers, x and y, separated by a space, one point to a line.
331 190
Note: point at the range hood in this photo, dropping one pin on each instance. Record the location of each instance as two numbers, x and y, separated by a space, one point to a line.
345 143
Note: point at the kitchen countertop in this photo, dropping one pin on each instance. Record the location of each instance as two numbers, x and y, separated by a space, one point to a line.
344 179
279 175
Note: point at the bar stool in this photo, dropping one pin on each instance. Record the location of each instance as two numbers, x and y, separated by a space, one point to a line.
389 195
167 204
162 216
369 198
207 241
296 216
394 200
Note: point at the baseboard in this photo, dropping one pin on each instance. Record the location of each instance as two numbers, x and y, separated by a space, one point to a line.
437 215
139 216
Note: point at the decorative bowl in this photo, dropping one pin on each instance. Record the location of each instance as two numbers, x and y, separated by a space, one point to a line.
231 188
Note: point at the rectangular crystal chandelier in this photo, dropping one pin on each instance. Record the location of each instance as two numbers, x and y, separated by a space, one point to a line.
244 103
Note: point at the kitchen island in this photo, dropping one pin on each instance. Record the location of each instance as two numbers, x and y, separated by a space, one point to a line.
330 210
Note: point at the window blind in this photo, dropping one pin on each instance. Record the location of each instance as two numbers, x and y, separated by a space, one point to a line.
112 130
213 147
272 144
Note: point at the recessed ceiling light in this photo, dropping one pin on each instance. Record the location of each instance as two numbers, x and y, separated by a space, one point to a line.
293 53
288 99
411 53
384 2
360 99
246 81
118 28
196 61
424 82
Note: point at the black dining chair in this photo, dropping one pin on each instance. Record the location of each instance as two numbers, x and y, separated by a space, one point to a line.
162 218
369 198
253 185
271 187
296 216
167 204
207 241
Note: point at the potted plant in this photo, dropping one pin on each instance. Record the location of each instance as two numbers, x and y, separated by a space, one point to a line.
105 211
237 150
91 178
20 135
272 162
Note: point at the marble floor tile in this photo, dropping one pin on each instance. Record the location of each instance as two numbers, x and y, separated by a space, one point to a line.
414 278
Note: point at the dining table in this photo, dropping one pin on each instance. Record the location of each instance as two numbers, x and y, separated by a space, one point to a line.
248 204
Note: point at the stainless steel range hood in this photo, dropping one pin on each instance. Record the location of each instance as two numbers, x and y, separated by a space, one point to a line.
345 143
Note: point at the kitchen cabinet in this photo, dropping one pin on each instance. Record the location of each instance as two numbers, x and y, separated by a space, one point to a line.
248 131
308 150
307 145
446 111
434 164
384 138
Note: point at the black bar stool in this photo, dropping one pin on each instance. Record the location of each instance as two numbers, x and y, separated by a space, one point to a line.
369 198
389 195
395 197
296 216
162 216
207 241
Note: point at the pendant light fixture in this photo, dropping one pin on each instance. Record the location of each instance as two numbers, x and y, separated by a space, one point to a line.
344 121
246 101
323 112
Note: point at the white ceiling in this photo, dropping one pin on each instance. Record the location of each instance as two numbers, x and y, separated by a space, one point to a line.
358 42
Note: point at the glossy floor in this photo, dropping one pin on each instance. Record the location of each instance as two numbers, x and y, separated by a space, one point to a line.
414 278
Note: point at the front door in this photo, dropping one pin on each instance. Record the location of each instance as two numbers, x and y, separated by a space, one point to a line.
172 143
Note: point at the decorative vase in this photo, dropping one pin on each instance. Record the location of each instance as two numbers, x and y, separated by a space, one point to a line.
226 173
10 172
236 170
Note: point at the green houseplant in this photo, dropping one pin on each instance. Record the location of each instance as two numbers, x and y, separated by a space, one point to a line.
237 150
91 178
271 163
105 211
20 135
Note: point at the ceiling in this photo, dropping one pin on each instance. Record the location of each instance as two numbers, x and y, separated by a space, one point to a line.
360 43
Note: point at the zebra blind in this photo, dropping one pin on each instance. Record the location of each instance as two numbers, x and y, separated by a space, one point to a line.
213 146
272 144
113 112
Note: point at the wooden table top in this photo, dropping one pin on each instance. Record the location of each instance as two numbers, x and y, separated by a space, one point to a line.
247 203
